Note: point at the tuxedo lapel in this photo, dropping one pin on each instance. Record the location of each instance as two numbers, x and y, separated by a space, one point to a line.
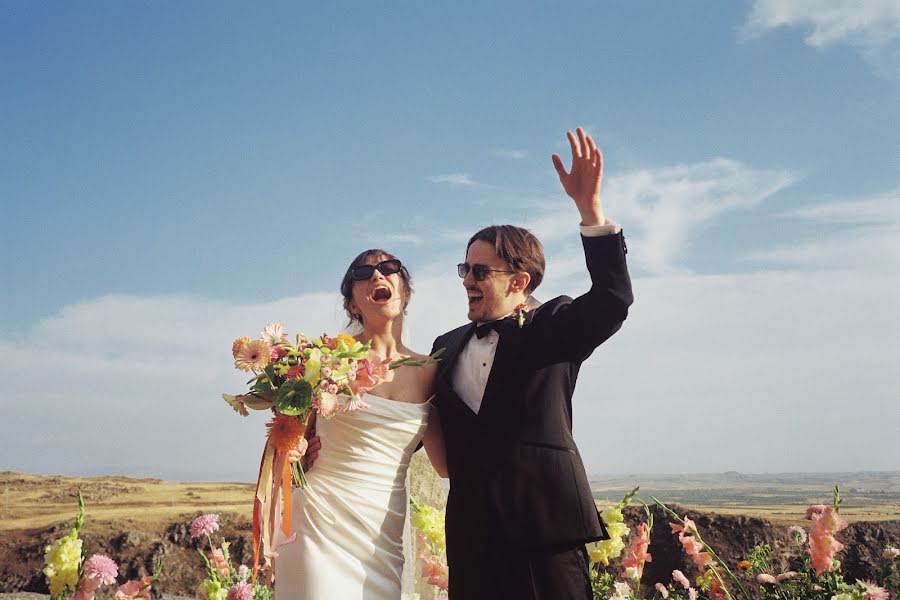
449 360
511 338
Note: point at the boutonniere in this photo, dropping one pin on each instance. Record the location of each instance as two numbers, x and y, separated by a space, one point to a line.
520 314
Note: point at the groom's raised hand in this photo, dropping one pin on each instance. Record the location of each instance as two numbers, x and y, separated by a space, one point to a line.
582 182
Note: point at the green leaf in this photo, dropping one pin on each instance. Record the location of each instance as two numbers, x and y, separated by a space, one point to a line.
294 397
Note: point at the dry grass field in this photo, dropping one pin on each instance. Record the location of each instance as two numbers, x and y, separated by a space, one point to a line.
36 501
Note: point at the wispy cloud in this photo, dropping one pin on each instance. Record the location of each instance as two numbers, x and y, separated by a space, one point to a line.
456 179
665 206
869 23
864 236
511 154
878 209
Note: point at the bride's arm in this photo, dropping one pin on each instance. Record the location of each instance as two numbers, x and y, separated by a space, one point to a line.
434 443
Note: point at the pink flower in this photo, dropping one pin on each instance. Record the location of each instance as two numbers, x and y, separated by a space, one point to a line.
83 594
681 579
273 333
873 592
218 562
254 356
368 374
890 553
240 591
785 576
662 590
276 353
797 533
637 551
822 545
766 578
435 570
204 525
134 590
692 594
295 372
101 569
328 404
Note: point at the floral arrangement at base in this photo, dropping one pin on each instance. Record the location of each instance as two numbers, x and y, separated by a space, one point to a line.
813 572
429 524
69 574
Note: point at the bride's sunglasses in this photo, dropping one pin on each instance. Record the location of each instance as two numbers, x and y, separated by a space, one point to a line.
479 272
385 267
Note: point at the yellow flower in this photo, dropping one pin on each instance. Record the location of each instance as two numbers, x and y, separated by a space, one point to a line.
745 566
346 338
212 590
63 558
602 551
238 344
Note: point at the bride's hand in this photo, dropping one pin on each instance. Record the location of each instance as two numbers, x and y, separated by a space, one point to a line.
297 453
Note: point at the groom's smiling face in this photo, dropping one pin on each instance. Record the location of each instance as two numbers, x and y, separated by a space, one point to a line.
498 293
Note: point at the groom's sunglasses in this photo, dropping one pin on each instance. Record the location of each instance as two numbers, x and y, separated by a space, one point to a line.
479 272
385 267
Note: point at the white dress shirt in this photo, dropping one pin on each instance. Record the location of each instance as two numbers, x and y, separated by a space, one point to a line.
476 359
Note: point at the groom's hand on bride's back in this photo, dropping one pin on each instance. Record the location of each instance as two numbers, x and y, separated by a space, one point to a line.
312 452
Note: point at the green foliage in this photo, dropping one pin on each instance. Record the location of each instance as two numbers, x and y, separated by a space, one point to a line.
294 397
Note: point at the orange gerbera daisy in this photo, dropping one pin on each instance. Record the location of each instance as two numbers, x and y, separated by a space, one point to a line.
284 432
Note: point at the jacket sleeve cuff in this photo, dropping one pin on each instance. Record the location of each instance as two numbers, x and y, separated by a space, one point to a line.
608 228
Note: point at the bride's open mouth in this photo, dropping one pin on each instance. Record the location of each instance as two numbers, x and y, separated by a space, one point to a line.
381 294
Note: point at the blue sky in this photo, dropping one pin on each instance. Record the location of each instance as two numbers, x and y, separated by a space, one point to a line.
174 176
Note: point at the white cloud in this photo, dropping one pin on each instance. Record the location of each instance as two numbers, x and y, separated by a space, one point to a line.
747 372
862 234
455 179
662 208
866 23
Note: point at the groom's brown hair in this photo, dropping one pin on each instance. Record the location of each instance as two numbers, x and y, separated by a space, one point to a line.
518 247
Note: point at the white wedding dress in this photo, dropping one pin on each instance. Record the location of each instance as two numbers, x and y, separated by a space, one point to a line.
349 518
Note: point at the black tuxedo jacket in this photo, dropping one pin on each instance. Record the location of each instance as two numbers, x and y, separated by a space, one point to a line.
514 468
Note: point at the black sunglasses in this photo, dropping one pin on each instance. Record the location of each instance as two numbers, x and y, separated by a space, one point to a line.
479 272
385 267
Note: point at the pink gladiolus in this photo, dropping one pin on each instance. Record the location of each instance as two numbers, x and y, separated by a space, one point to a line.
240 591
681 579
822 545
101 569
637 553
662 590
136 589
218 562
435 570
204 525
766 579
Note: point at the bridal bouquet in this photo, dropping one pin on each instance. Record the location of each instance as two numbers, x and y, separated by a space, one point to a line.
323 376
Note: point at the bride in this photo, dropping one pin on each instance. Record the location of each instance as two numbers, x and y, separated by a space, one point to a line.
349 518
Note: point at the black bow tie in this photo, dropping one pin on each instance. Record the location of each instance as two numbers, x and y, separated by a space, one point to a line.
485 328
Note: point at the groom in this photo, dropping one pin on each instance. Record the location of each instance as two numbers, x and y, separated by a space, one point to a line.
520 508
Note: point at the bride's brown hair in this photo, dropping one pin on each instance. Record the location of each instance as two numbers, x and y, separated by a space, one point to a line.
347 281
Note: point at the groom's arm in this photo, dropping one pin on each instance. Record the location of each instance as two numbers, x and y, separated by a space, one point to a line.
590 319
